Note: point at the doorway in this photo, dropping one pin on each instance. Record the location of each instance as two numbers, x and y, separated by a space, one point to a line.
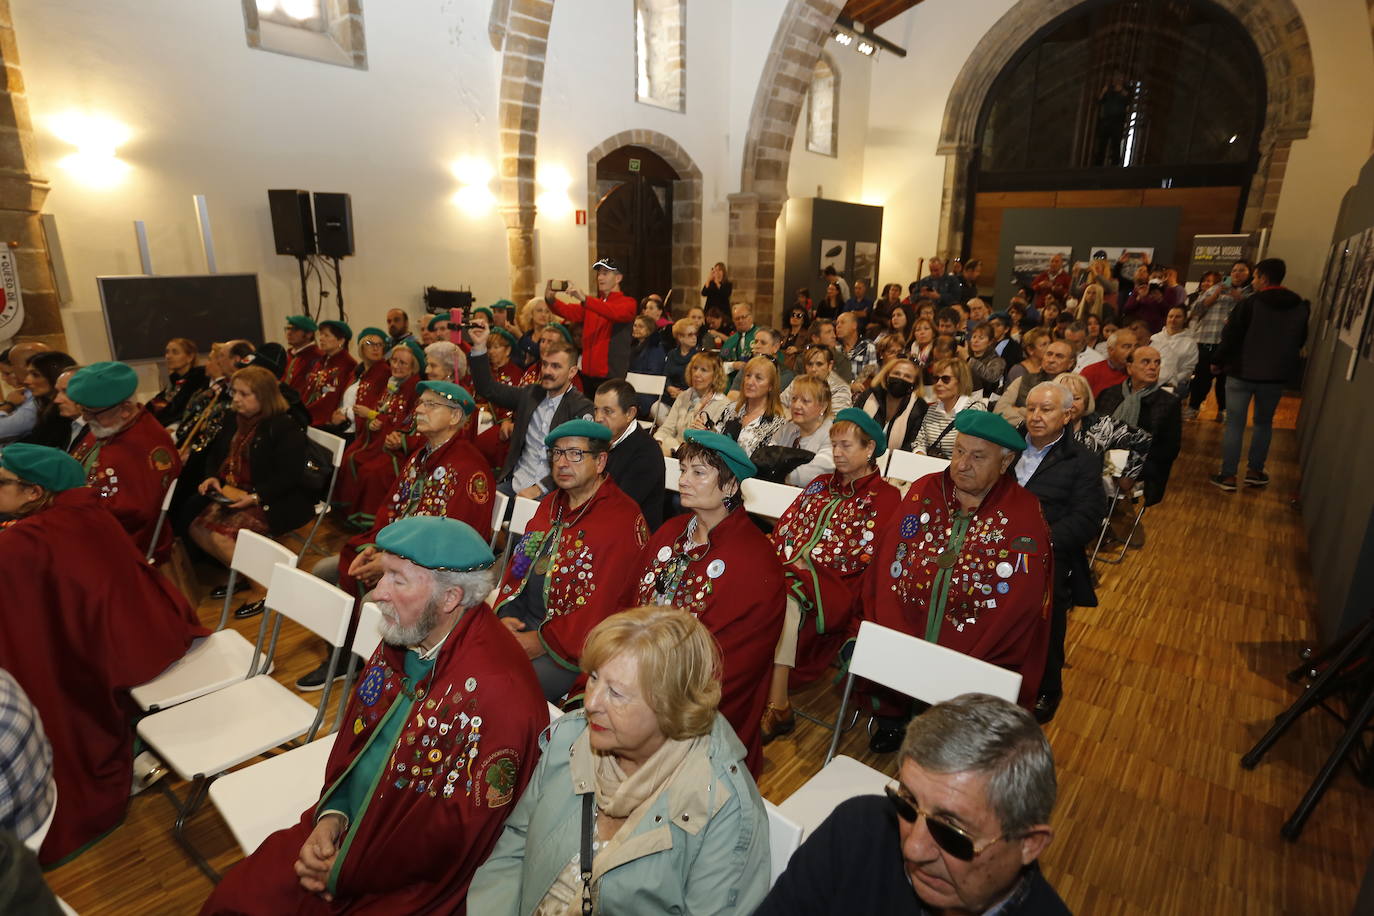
634 217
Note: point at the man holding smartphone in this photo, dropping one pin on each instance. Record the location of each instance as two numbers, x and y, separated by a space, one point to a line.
605 318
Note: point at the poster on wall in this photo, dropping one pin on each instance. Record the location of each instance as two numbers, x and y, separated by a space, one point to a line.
1029 261
1340 283
833 254
11 299
865 262
1217 253
1131 257
1325 287
1355 303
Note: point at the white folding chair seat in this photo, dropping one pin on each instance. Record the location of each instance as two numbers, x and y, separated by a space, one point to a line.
784 837
909 466
259 800
910 665
768 499
218 660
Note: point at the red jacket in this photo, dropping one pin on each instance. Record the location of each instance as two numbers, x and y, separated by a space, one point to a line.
299 365
131 472
599 318
324 386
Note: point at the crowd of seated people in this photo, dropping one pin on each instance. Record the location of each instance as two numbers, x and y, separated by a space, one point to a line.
1024 403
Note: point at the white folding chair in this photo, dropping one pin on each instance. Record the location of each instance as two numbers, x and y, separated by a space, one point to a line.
261 799
520 516
161 518
768 499
647 384
498 516
909 466
554 713
34 841
214 662
336 448
923 670
784 838
672 473
202 738
1115 465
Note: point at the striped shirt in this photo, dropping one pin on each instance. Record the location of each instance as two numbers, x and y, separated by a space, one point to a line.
936 435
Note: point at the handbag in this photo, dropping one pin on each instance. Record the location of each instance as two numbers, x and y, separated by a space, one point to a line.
775 462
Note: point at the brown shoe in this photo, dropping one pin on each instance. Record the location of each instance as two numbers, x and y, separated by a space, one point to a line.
777 721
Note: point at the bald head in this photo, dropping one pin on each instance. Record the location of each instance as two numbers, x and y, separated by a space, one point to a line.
21 353
1142 366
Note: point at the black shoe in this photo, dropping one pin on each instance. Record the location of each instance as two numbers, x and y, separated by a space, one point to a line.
241 584
1255 478
315 679
249 609
1225 482
886 740
1045 708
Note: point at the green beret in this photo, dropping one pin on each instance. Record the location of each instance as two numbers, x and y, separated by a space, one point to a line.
485 310
990 426
585 428
456 394
416 350
728 450
504 304
102 385
372 332
303 322
50 468
870 426
435 320
436 542
562 329
338 328
510 338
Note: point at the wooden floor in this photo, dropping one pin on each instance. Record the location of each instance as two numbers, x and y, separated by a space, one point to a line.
1174 676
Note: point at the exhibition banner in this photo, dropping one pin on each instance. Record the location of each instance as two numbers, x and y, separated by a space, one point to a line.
1218 253
1029 261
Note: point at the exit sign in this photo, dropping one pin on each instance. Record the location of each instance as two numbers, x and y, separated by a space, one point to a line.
634 165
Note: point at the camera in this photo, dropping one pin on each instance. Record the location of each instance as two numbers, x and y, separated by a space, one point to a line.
558 286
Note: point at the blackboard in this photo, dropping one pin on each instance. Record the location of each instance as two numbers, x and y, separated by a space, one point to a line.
142 313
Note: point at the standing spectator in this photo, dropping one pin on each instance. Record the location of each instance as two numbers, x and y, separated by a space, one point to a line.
937 285
1146 302
717 289
1259 353
1207 318
897 402
860 352
605 320
1178 350
184 379
953 395
1055 279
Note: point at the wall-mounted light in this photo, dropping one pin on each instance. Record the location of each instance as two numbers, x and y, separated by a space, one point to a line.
97 139
474 195
850 33
865 49
553 200
842 38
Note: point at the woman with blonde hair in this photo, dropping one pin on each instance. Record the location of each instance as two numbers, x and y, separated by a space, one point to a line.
531 318
809 429
1102 432
702 405
184 380
640 802
953 389
1033 343
757 417
819 363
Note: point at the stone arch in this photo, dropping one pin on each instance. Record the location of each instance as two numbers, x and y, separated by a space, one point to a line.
778 102
1275 26
522 27
687 208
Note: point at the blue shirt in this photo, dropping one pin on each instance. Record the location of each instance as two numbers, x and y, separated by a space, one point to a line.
533 465
1030 460
21 421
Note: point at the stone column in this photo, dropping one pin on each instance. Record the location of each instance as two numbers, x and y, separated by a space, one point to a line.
22 193
522 88
954 200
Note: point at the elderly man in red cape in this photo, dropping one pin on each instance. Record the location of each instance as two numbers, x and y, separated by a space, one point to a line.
438 742
325 385
567 572
75 643
302 354
967 564
129 457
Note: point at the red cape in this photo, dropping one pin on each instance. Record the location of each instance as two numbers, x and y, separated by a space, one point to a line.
131 471
1003 615
300 365
324 386
417 843
742 605
451 481
825 540
587 570
369 467
86 619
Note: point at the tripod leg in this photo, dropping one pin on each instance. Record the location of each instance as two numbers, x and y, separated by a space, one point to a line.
1358 723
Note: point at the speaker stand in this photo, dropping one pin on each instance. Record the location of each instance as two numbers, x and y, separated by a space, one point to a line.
305 295
338 288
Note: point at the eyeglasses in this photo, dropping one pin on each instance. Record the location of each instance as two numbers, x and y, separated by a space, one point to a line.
430 405
948 837
574 455
944 378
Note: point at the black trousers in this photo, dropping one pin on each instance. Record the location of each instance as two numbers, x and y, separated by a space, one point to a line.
1052 681
1203 378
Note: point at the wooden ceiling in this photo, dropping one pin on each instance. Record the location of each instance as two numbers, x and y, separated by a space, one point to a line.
873 13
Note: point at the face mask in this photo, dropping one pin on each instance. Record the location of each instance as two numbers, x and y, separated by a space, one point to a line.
899 387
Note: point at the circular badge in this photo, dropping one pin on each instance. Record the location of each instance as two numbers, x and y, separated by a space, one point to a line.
925 517
715 569
909 526
867 535
470 684
1004 569
895 570
1003 588
665 553
648 578
440 472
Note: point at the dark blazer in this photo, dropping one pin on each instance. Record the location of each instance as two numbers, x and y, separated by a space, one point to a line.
193 381
276 460
636 466
1068 484
1161 415
523 401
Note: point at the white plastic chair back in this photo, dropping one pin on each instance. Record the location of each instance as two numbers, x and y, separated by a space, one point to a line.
672 473
554 712
784 837
330 441
524 511
1116 461
368 635
313 603
909 466
645 383
256 557
34 841
161 519
925 670
768 499
498 511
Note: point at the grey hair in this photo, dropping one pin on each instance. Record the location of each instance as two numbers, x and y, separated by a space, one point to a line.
476 584
447 353
1065 395
1113 338
988 735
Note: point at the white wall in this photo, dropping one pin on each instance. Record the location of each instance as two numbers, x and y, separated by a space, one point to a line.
210 115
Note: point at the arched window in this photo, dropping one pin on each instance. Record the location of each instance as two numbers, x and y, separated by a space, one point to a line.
661 53
822 108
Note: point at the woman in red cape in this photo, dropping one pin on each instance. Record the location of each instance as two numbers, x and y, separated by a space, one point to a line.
373 459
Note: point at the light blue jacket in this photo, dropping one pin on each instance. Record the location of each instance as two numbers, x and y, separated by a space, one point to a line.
702 847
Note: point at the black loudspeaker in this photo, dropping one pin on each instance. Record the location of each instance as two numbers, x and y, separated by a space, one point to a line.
334 224
293 226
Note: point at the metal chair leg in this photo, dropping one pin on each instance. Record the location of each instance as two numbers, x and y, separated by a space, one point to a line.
200 788
839 717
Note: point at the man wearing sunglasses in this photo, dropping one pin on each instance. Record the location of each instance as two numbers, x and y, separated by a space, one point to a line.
959 831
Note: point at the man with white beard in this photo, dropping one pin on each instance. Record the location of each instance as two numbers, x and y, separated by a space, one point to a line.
438 742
